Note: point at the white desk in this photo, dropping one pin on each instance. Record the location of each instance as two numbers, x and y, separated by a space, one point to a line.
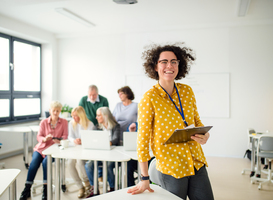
23 130
158 194
8 180
96 155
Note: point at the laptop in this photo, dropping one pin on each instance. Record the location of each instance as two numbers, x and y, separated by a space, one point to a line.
96 140
130 141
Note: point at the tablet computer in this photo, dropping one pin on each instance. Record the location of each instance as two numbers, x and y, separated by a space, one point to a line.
184 135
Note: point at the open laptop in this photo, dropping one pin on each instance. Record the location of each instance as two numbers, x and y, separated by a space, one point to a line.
130 141
96 140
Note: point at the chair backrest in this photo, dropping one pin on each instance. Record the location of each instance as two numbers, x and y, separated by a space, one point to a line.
47 114
153 173
251 131
265 143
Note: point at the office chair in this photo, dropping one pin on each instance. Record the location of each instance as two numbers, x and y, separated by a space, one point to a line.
47 114
265 150
153 173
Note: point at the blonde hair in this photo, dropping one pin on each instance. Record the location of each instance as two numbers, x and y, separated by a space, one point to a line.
107 117
55 104
84 121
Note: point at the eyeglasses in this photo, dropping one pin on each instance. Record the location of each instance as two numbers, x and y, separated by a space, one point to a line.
164 63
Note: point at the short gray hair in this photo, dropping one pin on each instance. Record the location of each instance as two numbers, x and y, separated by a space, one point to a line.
55 104
93 87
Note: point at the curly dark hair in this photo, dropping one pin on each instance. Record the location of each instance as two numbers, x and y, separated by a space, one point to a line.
127 90
151 57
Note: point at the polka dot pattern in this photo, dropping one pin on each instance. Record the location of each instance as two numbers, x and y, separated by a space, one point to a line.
158 118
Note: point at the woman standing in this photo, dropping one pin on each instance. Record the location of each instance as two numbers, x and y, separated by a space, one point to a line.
76 166
181 167
51 127
125 112
106 122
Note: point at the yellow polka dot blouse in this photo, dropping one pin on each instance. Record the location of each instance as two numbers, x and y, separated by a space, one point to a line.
157 119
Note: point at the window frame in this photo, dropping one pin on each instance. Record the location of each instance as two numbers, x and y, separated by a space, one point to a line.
11 94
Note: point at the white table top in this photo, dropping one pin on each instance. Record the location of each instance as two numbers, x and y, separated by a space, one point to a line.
77 152
257 136
16 129
158 194
131 154
50 150
34 128
7 178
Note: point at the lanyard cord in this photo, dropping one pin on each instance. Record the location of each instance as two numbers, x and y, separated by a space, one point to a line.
180 112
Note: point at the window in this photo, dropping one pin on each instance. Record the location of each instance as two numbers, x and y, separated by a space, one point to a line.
20 80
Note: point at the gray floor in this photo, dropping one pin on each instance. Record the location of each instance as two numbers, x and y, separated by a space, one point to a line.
225 175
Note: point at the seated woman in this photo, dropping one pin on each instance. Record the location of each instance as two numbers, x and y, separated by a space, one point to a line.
106 122
53 126
125 112
75 166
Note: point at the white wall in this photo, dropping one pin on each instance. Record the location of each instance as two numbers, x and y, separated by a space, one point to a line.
48 41
245 52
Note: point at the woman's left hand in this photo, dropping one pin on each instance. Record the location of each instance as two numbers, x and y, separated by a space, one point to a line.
201 139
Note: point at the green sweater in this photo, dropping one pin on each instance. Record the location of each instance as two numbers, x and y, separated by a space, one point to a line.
91 108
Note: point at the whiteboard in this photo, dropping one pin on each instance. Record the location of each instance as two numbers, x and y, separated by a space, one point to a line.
211 91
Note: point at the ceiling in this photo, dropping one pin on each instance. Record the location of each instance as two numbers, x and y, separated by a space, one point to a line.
146 15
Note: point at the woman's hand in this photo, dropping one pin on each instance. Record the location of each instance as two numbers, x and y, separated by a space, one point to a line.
56 141
141 187
78 141
132 127
47 138
201 139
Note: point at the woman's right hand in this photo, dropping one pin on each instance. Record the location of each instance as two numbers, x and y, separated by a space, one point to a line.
78 141
48 137
141 187
132 127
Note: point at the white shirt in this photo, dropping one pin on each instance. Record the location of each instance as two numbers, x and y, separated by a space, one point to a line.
104 129
75 133
97 99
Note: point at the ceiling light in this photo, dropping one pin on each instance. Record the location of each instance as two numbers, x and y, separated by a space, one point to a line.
243 6
125 1
73 16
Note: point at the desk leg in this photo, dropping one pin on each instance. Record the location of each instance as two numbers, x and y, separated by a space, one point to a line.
95 180
253 157
63 175
104 172
26 149
138 172
124 174
49 177
12 191
116 175
258 166
57 179
33 141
